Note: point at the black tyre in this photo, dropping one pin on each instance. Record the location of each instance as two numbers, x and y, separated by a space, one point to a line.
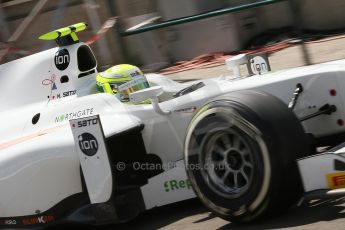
240 154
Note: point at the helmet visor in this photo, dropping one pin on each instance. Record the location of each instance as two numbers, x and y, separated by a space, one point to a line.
133 86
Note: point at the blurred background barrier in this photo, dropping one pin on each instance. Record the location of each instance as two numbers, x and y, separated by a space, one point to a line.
155 34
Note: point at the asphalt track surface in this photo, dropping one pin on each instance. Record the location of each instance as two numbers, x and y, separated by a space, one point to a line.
326 214
192 215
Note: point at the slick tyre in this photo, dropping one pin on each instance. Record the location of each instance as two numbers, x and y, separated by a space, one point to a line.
240 155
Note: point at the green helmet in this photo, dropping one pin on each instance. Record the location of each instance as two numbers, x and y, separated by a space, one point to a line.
121 80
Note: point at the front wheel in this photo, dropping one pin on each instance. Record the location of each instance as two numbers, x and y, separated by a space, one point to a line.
240 154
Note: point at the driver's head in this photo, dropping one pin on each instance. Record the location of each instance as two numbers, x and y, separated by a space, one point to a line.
121 80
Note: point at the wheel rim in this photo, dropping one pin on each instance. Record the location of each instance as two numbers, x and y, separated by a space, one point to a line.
228 162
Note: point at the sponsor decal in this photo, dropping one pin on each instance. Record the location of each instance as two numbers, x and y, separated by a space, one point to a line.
177 185
62 59
186 110
258 64
93 121
8 222
74 115
88 144
336 180
38 220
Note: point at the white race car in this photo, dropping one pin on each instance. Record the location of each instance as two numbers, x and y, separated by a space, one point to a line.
71 155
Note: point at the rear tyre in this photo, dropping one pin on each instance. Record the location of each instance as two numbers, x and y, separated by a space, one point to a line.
240 154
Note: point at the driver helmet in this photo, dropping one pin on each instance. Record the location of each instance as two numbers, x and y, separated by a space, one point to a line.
121 80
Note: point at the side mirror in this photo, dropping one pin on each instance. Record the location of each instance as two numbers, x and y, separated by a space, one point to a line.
151 93
235 62
144 94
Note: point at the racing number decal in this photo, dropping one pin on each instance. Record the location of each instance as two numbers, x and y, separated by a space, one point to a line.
336 180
